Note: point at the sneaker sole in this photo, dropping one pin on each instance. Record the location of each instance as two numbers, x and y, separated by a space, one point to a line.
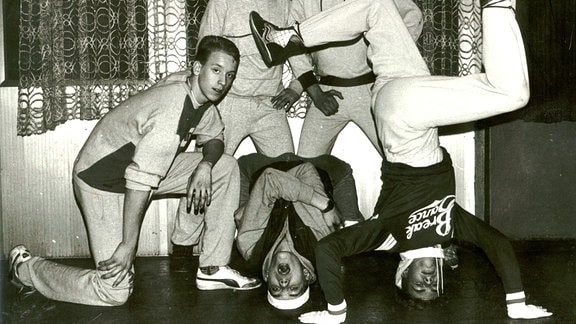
259 39
16 258
203 284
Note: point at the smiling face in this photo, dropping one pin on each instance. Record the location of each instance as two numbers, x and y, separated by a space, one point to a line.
286 277
421 278
214 78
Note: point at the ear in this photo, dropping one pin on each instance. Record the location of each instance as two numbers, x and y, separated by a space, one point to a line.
196 67
307 275
405 273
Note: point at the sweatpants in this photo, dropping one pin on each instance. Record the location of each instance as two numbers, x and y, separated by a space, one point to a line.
255 117
408 109
242 116
407 102
319 132
103 216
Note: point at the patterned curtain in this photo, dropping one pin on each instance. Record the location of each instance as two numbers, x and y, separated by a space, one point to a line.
79 59
469 37
451 38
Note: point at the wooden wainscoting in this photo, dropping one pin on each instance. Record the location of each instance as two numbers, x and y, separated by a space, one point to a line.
38 207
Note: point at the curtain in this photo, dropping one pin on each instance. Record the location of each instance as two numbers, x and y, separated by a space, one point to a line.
451 39
79 59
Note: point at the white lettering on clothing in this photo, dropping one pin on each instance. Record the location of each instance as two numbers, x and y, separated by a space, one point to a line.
436 214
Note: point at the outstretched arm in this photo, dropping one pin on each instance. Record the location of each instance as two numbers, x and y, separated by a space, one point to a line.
362 237
501 254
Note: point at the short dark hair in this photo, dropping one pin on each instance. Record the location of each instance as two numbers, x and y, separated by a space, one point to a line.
406 300
210 44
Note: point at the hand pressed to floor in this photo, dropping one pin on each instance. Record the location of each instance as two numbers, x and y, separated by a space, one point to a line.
322 317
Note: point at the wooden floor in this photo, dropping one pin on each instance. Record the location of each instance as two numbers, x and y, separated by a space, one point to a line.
473 294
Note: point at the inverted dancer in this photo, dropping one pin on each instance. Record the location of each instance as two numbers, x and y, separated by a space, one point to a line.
417 210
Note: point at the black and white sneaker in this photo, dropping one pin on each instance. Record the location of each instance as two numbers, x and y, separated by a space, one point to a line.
270 39
225 278
18 255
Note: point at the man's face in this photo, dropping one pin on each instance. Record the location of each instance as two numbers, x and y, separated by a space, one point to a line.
286 278
215 77
420 280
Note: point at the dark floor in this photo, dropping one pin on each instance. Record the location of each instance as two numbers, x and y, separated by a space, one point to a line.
473 294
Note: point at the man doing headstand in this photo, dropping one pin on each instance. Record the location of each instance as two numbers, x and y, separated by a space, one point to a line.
416 210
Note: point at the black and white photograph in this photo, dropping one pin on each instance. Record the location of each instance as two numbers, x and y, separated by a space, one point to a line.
288 161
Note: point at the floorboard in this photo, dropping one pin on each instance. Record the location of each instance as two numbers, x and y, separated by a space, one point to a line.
473 293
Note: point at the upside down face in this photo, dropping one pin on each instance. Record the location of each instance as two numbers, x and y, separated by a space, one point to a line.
287 278
421 279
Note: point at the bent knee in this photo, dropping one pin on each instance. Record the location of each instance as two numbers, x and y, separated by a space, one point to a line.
517 94
120 297
515 98
521 96
391 106
110 295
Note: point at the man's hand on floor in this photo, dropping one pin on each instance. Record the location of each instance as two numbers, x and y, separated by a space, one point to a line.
322 317
523 311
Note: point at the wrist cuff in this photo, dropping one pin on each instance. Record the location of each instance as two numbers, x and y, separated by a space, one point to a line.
337 309
515 298
307 79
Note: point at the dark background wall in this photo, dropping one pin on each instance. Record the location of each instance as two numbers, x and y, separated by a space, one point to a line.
531 179
530 155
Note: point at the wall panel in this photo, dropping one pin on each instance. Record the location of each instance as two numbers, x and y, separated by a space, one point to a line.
38 208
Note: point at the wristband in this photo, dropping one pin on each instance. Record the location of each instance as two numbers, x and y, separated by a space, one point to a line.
329 207
337 309
515 298
307 79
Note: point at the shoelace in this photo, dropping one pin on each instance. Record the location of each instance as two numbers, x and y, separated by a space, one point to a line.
495 5
236 272
440 281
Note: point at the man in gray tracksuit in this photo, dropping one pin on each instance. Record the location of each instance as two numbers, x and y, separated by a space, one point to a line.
247 108
339 72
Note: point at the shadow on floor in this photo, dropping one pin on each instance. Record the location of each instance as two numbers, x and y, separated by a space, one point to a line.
473 294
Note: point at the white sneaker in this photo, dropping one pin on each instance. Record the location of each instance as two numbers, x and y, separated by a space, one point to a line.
18 255
225 278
